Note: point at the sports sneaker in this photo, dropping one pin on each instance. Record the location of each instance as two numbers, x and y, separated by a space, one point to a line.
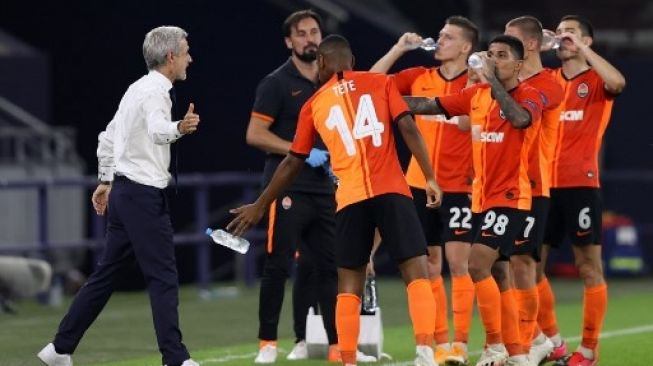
299 352
441 354
190 362
519 360
266 354
425 356
540 349
361 357
558 352
577 359
50 357
457 355
493 355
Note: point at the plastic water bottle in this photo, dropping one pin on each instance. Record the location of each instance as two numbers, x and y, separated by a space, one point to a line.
370 301
222 237
549 41
475 62
429 44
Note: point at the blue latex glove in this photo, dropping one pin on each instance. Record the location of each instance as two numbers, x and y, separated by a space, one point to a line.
317 157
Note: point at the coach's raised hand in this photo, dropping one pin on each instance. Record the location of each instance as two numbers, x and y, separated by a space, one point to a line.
190 121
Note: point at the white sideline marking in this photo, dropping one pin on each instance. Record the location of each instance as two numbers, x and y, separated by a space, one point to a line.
228 358
604 335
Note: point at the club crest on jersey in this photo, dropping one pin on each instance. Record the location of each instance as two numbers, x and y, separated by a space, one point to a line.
286 203
583 90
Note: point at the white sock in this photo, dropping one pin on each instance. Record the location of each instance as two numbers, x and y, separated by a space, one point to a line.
586 352
444 346
520 358
539 339
557 340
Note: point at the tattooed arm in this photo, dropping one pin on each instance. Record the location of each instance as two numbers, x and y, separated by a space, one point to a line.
423 105
518 116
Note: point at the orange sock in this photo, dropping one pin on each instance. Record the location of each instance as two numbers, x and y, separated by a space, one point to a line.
595 304
421 306
527 302
262 343
546 316
489 305
348 325
462 302
510 323
441 334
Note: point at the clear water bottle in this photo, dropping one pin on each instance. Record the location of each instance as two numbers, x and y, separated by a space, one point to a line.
549 41
475 62
222 237
429 44
370 300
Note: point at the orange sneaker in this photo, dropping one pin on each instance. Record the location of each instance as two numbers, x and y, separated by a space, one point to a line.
441 354
458 354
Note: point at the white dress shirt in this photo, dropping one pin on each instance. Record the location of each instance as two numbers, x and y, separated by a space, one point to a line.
136 143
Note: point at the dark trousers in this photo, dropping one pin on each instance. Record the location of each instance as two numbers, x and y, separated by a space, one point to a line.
139 229
306 221
304 294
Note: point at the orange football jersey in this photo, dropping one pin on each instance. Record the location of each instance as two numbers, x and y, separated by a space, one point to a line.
584 115
449 148
353 113
500 151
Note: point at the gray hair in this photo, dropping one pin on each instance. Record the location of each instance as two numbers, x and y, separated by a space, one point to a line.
158 42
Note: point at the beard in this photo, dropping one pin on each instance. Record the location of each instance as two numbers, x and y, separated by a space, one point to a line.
308 55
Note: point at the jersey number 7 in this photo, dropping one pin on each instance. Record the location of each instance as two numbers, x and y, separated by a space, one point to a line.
365 124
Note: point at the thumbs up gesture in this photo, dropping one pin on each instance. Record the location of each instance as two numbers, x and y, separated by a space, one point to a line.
190 121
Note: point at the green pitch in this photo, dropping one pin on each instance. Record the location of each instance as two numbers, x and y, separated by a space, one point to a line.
222 331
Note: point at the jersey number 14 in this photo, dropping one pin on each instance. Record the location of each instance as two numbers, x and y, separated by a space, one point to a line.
365 124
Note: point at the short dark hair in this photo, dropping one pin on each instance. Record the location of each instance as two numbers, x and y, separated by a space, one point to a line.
585 26
470 30
297 17
529 25
516 46
334 42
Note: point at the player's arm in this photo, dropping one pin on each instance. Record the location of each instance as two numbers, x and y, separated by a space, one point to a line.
417 147
249 215
614 81
423 105
405 43
518 116
259 135
376 243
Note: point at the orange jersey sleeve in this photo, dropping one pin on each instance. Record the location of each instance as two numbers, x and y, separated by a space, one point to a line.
449 148
584 115
459 104
353 114
500 151
541 152
305 133
405 78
